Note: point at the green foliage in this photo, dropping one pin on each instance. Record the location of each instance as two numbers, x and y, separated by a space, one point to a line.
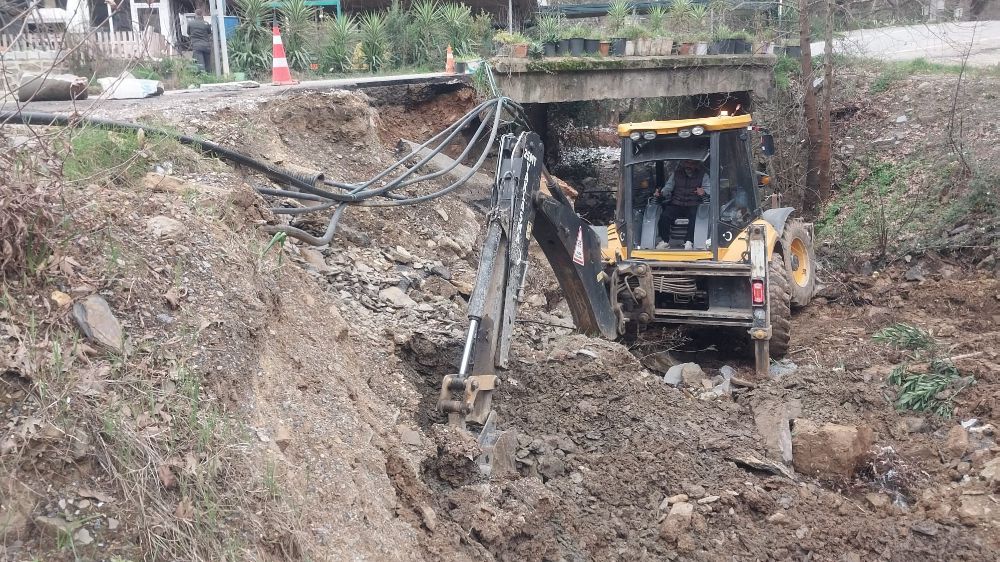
96 153
397 23
893 72
374 40
618 13
926 382
456 22
635 32
341 33
175 72
426 31
508 38
482 33
250 45
657 18
927 392
548 29
297 32
697 14
904 336
785 69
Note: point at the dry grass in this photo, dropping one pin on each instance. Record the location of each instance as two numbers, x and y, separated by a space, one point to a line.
184 476
29 204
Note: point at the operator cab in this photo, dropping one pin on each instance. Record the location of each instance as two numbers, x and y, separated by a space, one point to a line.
713 153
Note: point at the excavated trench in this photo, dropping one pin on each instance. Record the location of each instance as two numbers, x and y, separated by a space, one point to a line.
604 448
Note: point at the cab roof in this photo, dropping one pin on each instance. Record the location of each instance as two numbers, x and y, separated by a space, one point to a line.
719 123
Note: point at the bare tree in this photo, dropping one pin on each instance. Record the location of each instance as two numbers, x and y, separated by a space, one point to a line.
812 192
826 138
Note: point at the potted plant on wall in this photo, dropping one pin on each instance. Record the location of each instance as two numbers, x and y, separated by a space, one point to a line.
576 36
701 41
721 43
618 13
548 34
515 43
633 34
662 43
741 42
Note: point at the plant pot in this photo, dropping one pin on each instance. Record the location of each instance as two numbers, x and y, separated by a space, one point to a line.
618 46
629 48
576 45
686 49
604 48
701 48
722 47
519 50
563 50
591 46
741 46
550 49
461 67
793 51
643 47
662 46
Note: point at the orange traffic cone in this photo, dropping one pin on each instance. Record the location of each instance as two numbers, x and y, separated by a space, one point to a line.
280 75
449 62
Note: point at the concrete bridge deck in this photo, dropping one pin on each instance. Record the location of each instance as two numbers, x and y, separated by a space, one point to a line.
565 79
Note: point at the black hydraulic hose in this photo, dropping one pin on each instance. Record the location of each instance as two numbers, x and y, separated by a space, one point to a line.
308 190
48 119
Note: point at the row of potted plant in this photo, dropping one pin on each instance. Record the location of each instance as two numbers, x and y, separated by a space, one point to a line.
684 28
578 41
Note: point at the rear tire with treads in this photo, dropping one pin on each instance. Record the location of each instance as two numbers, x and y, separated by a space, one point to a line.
800 262
779 299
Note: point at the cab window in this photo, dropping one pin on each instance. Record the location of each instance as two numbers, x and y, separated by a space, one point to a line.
737 198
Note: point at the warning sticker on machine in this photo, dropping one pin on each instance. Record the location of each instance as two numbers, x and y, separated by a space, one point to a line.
578 252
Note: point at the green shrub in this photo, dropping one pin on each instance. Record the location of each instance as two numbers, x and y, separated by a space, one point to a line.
374 40
341 33
456 25
426 30
298 32
250 45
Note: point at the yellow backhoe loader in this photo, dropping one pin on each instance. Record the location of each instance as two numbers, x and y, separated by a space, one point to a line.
721 261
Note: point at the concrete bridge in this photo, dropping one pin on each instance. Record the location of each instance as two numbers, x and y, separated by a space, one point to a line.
566 79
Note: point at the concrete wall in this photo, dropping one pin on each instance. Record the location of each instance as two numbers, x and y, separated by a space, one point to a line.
563 80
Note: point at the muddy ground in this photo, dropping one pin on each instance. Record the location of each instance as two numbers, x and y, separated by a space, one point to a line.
338 375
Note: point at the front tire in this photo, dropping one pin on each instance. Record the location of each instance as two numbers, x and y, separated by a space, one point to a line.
800 262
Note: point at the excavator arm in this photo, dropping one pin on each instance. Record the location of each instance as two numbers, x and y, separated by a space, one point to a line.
519 210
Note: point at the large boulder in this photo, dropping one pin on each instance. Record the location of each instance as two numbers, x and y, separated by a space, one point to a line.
829 450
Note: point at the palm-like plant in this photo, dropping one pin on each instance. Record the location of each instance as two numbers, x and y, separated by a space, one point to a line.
697 15
397 22
680 13
250 46
456 20
341 33
374 40
297 32
548 29
425 25
657 17
618 12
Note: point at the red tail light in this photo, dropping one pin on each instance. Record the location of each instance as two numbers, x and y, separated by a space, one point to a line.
757 291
